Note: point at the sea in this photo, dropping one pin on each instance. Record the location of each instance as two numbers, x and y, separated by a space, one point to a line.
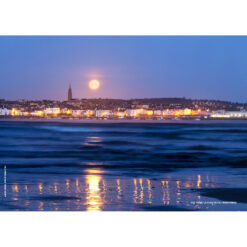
123 166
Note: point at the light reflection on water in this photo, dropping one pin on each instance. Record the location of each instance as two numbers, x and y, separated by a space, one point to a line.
96 192
166 194
55 187
92 141
40 188
15 188
93 199
119 188
199 181
149 191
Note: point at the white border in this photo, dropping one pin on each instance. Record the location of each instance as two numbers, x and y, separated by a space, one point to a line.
122 229
128 17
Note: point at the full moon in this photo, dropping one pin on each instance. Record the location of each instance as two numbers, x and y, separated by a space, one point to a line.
94 84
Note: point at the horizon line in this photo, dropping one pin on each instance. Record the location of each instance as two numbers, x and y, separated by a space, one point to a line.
236 102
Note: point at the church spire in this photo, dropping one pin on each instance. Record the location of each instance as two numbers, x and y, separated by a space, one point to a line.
69 93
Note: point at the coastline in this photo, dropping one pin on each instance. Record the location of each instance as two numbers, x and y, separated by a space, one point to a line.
102 121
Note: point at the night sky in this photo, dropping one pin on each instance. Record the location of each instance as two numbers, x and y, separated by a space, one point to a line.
206 67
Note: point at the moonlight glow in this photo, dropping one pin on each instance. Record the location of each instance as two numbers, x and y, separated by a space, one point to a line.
94 84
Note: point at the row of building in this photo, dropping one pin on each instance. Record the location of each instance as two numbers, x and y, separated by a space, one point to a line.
121 113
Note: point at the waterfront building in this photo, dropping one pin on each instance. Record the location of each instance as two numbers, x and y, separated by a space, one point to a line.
131 113
90 113
141 111
229 114
78 113
36 114
52 111
5 112
102 113
157 113
120 114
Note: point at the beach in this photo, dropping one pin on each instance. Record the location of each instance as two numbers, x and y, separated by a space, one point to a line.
136 165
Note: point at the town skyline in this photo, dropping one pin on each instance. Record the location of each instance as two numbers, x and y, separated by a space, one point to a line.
112 109
123 98
68 96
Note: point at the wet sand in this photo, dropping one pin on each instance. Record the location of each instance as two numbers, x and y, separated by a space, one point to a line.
227 194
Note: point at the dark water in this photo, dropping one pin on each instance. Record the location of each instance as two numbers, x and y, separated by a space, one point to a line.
123 166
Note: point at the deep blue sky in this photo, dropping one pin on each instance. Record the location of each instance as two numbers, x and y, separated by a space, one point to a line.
128 67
